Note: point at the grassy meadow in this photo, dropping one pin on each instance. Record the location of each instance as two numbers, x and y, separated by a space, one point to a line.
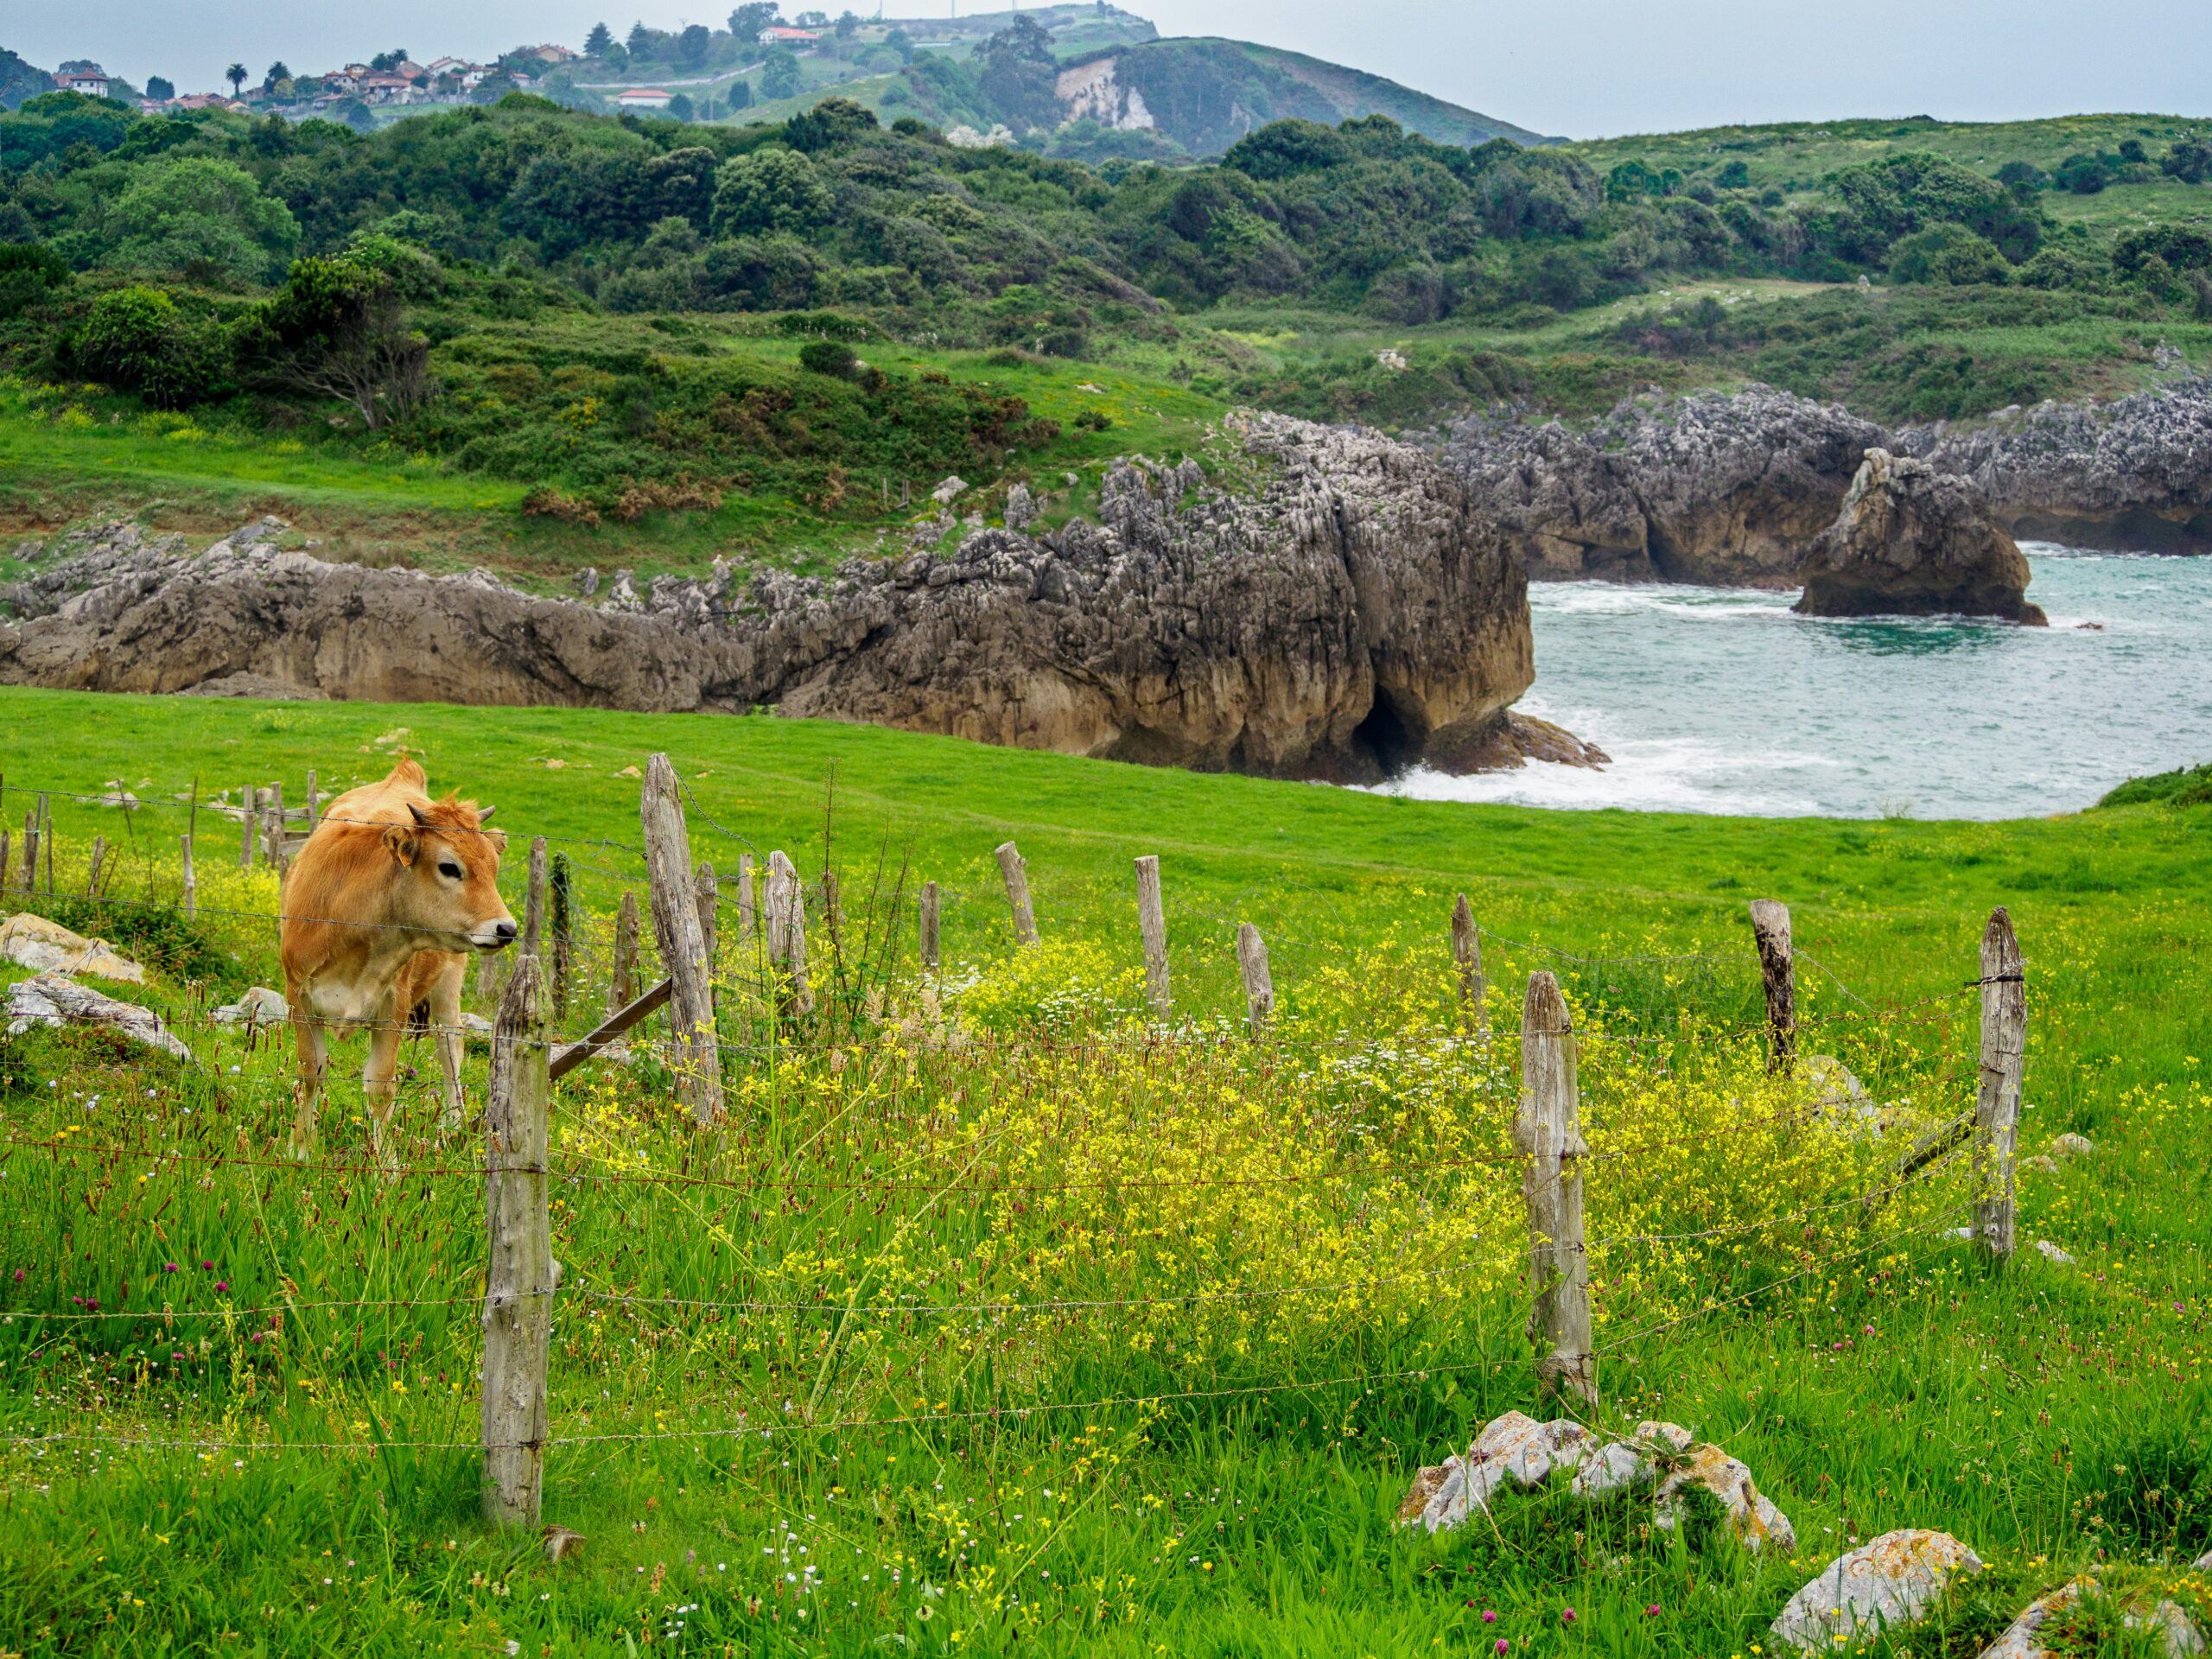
1000 1317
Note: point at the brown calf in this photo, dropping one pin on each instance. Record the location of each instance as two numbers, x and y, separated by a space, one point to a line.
391 892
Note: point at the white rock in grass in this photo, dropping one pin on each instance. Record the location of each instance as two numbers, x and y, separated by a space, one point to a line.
2022 1638
950 489
33 942
2071 1146
51 999
2050 1252
1890 1581
1751 1516
2202 1563
2183 1639
259 1006
1664 1456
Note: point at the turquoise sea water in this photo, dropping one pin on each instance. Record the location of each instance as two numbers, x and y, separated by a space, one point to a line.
1719 699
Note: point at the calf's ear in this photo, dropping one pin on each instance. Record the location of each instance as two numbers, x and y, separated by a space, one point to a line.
402 842
497 840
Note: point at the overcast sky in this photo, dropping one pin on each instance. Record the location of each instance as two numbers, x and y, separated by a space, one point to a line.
1578 67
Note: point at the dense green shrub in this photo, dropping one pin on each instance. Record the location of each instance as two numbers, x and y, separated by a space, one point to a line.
830 356
770 192
30 272
139 339
1947 254
203 219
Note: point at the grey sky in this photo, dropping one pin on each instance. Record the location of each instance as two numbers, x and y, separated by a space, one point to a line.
1582 67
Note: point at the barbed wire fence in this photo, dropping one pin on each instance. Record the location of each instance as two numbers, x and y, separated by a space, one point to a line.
735 951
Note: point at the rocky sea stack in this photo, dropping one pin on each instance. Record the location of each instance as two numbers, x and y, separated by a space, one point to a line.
1910 540
1346 614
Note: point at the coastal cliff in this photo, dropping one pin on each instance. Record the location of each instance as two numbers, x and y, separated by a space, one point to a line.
1349 614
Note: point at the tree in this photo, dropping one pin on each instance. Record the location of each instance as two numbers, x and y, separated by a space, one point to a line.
384 62
827 125
740 95
160 88
769 190
847 25
1947 254
598 41
236 75
203 217
338 329
901 42
779 74
748 20
680 108
1020 77
692 46
641 41
277 72
137 339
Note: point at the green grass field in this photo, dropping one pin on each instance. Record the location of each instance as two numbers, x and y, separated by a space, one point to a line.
1027 1327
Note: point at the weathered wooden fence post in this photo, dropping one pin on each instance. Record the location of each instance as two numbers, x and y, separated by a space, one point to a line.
683 950
787 928
4 850
314 803
1015 869
1467 952
92 866
48 838
1771 928
931 938
191 897
1259 983
1152 933
278 858
1548 1133
624 983
707 892
748 926
560 892
1996 1104
520 1275
533 910
30 851
250 805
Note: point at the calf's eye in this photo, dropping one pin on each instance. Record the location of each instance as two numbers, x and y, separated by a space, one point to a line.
450 870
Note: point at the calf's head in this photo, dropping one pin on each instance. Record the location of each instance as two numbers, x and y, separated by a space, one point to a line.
447 876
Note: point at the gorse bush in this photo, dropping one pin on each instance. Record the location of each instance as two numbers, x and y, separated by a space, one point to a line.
139 339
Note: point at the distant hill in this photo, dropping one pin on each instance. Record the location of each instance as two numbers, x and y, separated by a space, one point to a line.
20 80
1205 94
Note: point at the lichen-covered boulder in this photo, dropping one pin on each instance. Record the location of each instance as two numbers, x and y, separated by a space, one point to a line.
1892 1580
1664 1459
33 942
52 1000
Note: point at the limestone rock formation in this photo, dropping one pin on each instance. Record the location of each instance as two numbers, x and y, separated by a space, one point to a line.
1663 1458
2134 474
1350 614
1727 489
1912 540
1889 1581
52 999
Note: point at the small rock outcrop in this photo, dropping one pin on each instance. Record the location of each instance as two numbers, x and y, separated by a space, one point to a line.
1912 540
1727 489
2134 474
1662 1460
33 942
1349 615
54 1000
1890 1581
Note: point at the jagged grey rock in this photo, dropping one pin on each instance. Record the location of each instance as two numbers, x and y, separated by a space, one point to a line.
1889 1581
1721 488
33 942
53 1000
1664 1459
2134 475
2022 1637
2071 1146
1349 614
1913 541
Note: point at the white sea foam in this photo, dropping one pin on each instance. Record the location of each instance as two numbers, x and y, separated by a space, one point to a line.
1720 700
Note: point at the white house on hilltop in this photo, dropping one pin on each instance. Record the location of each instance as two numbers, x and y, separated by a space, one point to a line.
92 83
644 98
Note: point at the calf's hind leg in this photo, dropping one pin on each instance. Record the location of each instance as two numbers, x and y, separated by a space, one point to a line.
314 1063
